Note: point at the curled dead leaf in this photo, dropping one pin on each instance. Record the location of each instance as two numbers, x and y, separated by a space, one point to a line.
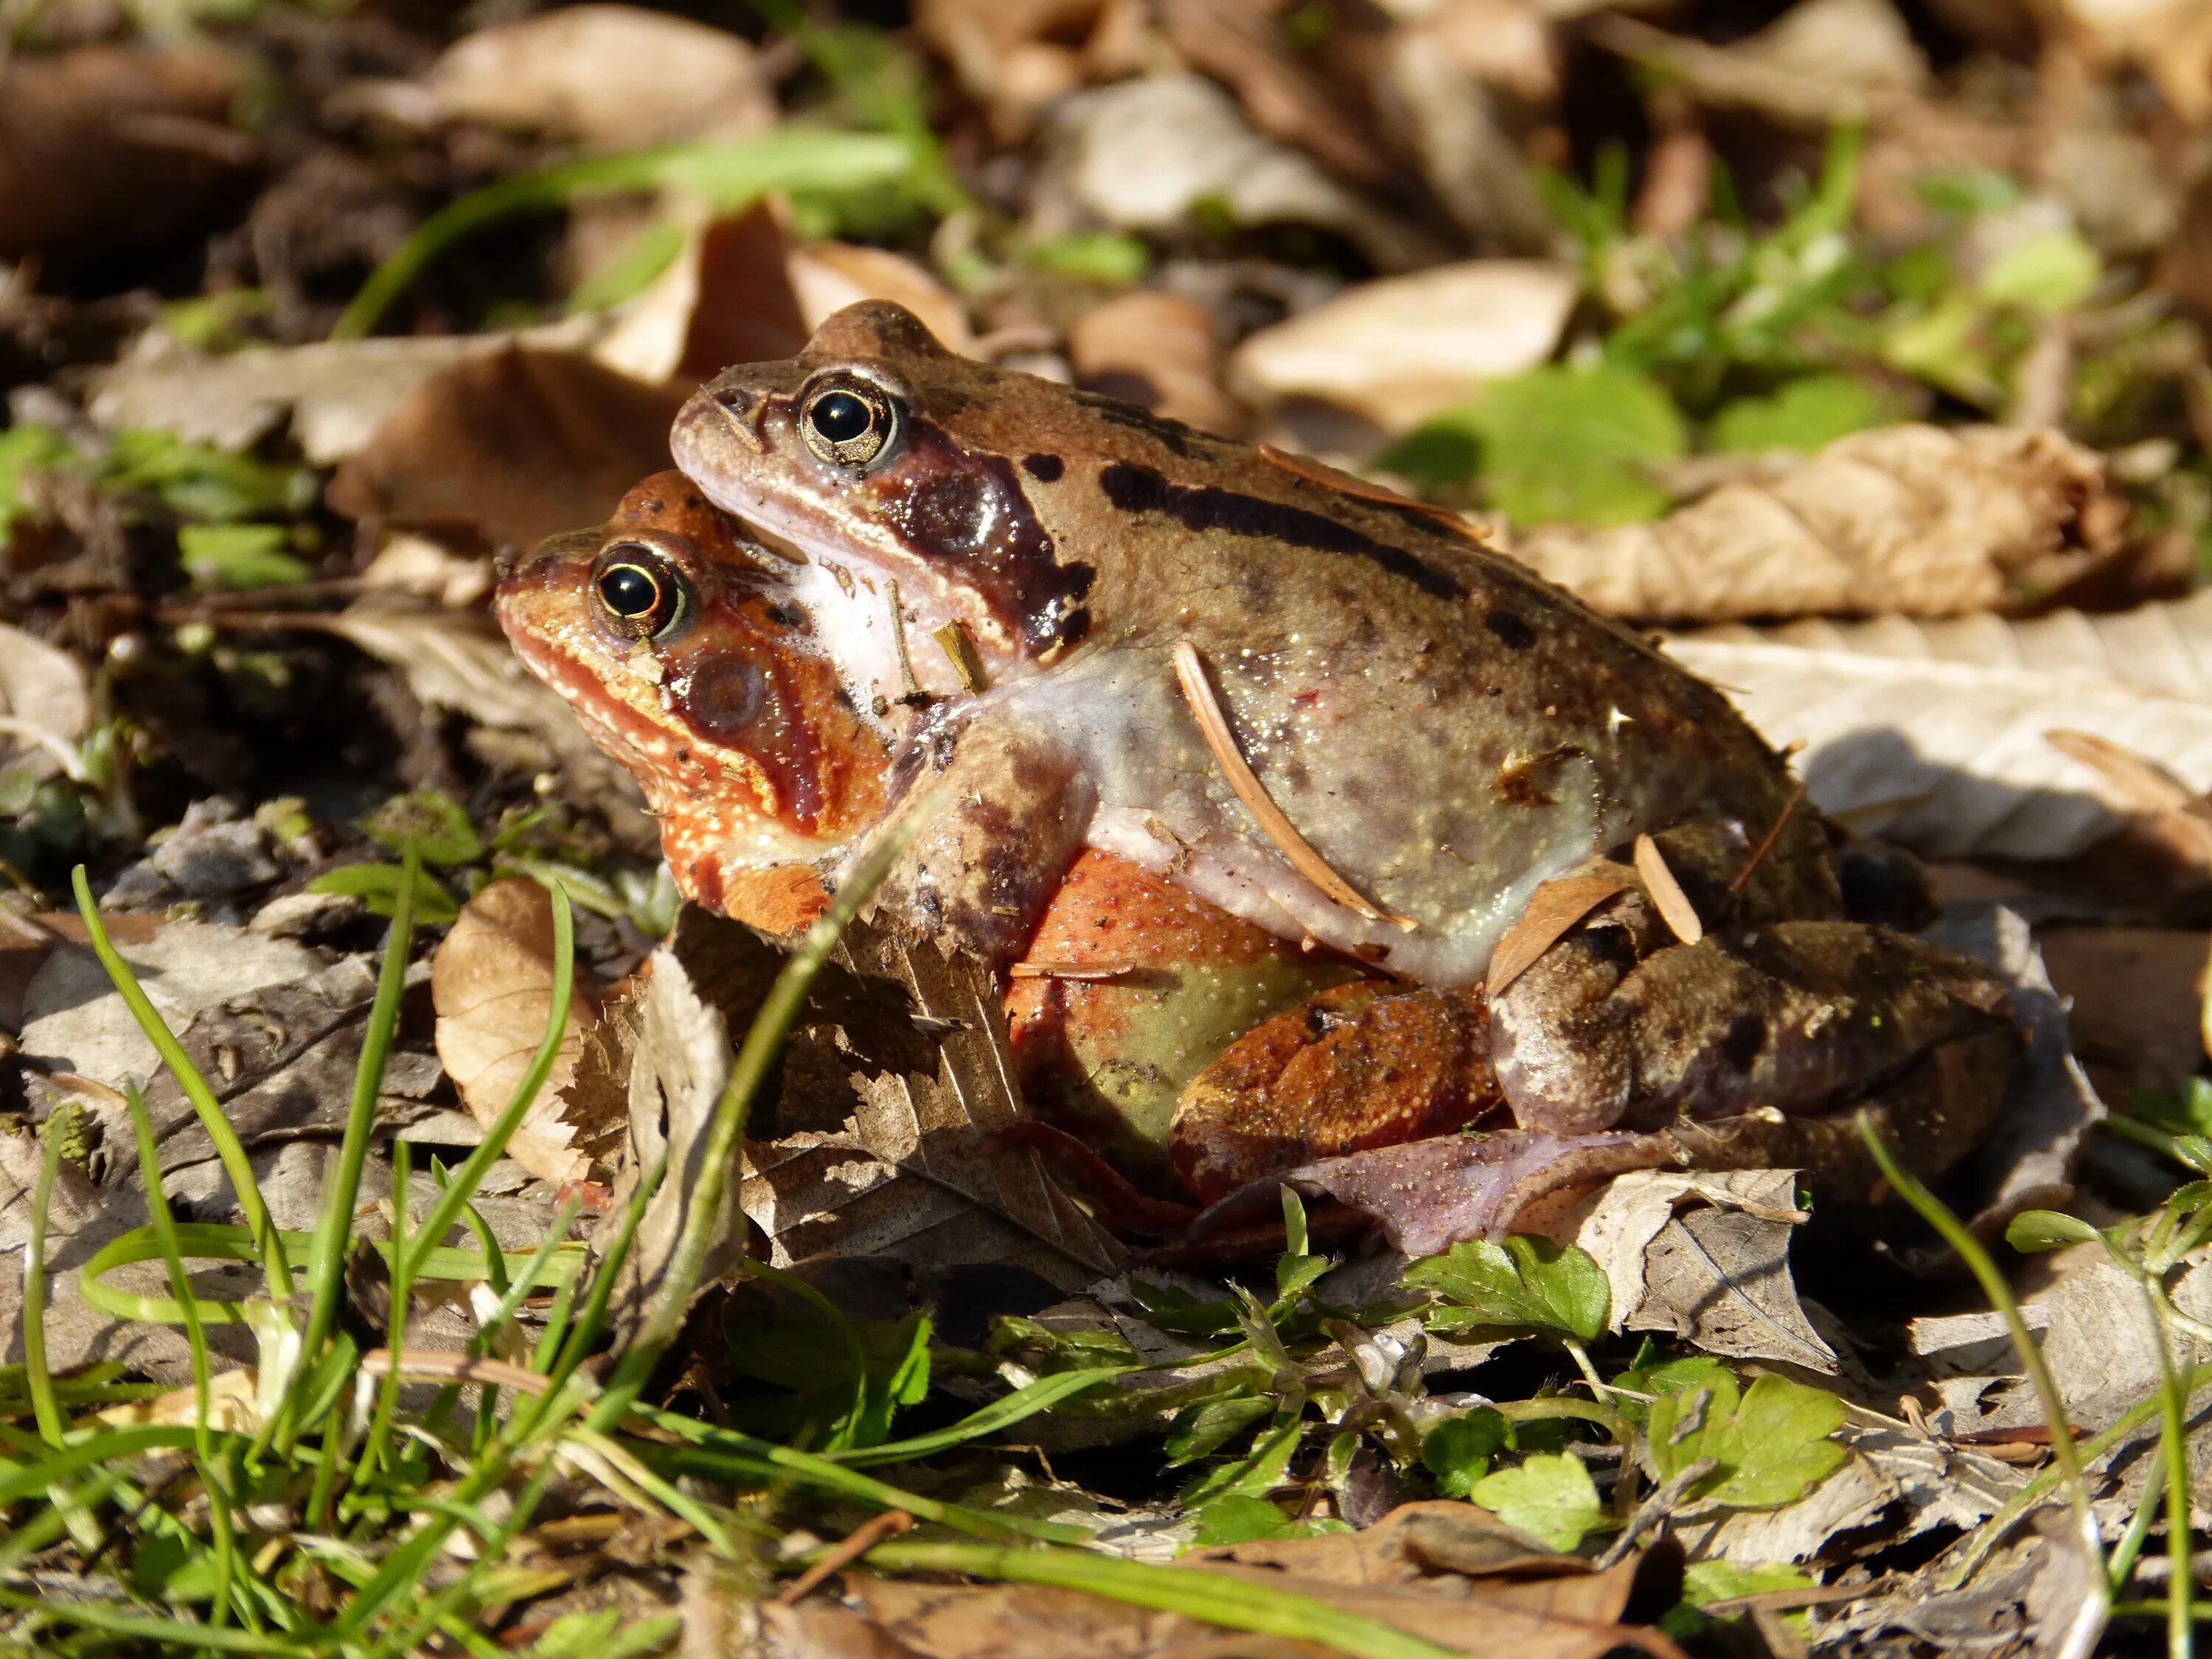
491 985
614 78
1158 350
107 152
514 445
1553 908
1922 520
46 705
1398 350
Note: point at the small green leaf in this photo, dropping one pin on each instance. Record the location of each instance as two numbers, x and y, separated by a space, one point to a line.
26 448
1525 1281
1770 1443
438 824
1549 1496
238 556
1297 1274
1258 1472
1100 256
1081 1349
2187 1113
631 271
2048 274
2047 1229
1560 445
1200 1431
1240 1519
1172 1308
1458 1450
1804 414
1706 1582
377 886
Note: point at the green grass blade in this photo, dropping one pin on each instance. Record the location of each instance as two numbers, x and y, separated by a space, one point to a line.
177 1634
724 1453
45 1409
165 1230
1195 1594
114 1446
334 1227
395 1334
227 1148
462 1185
728 175
1968 1249
757 1057
1025 1401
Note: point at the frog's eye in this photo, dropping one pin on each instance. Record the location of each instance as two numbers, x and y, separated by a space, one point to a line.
849 422
639 595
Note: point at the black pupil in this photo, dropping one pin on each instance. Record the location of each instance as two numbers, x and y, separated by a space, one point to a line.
839 417
629 590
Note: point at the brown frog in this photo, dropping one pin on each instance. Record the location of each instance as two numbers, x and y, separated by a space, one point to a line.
1324 713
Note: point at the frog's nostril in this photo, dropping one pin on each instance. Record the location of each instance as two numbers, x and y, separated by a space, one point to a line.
735 398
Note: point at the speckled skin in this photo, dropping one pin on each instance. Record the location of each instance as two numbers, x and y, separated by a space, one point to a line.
740 733
1447 730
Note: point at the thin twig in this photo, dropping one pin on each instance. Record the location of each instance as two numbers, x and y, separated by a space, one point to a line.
1766 842
1656 1509
1214 727
857 1543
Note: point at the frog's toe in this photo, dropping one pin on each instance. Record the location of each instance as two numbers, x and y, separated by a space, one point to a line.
1353 1068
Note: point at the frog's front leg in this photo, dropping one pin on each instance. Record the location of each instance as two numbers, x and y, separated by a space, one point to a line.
1001 820
1798 1015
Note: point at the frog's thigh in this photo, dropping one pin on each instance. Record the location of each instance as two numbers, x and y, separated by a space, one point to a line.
1007 819
1799 1016
1359 1066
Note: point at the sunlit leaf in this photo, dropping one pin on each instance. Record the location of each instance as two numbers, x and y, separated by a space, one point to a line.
1458 1450
1549 1496
1770 1443
437 823
1525 1281
1803 414
378 886
238 556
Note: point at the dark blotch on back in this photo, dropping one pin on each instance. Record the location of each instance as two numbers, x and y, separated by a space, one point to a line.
1178 437
950 502
1047 468
1205 508
1512 631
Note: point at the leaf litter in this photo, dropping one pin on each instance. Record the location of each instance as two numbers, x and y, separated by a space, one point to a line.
1910 429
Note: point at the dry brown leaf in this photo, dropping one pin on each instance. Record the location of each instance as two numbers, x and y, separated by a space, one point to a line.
1553 908
1823 62
913 1170
1244 46
1666 893
2133 1012
827 276
1918 520
2171 43
1443 1571
491 985
512 446
614 78
1715 1275
46 705
1446 86
1015 57
107 152
1138 155
458 660
2159 805
678 1067
1950 758
1158 350
1398 350
726 298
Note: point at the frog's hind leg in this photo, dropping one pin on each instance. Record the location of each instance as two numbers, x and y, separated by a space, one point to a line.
1356 1067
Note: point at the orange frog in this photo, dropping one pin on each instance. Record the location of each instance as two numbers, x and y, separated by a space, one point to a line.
1309 831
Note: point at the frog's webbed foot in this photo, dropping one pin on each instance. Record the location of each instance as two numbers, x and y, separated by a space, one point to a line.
1357 1066
1002 822
1797 1016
